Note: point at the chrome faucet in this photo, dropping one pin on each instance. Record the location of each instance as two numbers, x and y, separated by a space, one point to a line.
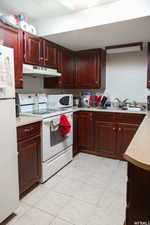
122 103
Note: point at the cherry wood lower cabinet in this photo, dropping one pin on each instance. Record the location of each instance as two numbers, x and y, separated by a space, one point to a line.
84 124
125 134
105 138
105 133
138 196
29 156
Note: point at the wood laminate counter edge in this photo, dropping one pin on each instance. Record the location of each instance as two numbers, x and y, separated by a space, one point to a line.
24 120
138 152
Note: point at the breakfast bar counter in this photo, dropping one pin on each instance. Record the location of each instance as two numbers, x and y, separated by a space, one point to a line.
138 152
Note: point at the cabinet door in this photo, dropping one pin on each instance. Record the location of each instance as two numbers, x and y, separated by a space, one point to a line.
13 38
29 163
33 49
50 54
105 138
84 130
65 65
67 69
90 69
125 134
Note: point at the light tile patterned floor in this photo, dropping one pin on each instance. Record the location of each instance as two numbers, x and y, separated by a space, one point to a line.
89 191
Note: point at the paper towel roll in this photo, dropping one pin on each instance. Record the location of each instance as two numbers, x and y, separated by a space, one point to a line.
32 29
24 26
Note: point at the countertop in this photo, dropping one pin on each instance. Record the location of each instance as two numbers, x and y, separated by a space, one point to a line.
95 109
24 120
138 152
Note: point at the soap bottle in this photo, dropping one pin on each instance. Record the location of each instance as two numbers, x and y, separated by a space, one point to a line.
36 104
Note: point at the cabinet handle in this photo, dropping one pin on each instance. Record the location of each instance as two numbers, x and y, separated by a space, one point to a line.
120 129
41 58
114 128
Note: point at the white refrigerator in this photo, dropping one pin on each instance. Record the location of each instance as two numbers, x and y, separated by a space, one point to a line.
9 188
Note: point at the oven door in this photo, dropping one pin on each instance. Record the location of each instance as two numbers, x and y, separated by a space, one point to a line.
52 141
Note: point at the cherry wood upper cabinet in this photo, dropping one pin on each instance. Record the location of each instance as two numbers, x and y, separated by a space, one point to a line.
90 69
148 70
50 54
65 65
13 38
33 49
67 68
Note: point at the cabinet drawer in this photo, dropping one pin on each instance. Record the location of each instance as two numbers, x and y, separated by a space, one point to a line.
84 113
28 131
105 116
129 118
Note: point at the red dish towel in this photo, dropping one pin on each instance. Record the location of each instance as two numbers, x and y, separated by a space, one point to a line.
64 125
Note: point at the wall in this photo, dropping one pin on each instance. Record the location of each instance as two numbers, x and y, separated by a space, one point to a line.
126 76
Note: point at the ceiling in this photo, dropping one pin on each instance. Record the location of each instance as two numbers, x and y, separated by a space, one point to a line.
39 9
110 34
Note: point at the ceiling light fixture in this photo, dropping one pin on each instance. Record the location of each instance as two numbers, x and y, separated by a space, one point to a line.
83 4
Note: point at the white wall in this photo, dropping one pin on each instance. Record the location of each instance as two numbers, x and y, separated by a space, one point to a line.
126 76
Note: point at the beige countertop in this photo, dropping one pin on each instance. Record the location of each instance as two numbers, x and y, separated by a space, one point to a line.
24 120
94 109
138 152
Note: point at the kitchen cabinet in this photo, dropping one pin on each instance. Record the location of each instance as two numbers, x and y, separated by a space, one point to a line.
38 51
33 49
65 65
105 133
29 156
125 134
13 38
84 130
90 69
138 195
50 54
105 138
148 69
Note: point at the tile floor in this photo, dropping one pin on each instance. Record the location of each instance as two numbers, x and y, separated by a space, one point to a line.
89 191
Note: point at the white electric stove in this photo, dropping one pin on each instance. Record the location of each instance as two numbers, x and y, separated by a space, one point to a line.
56 150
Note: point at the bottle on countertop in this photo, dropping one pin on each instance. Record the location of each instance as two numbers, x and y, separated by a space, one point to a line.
36 104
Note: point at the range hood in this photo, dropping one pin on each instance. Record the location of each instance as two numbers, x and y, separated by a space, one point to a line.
32 70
